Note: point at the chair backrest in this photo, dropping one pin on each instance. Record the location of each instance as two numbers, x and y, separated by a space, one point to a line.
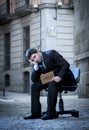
76 73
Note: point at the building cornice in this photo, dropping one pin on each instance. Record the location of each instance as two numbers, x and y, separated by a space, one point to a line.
51 5
82 56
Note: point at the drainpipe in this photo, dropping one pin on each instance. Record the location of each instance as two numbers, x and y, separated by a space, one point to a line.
40 31
38 9
58 5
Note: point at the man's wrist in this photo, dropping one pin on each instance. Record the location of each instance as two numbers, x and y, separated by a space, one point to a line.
36 67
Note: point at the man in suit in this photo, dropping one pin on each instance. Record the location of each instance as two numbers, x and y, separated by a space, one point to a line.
44 62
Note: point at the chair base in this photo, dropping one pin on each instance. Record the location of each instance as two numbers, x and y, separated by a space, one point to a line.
72 112
62 111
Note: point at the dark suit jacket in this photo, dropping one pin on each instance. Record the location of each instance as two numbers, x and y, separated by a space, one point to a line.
54 62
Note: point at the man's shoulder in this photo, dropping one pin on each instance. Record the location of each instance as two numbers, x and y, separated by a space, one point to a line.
48 52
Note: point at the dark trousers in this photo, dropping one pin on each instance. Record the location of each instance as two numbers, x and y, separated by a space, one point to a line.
51 99
53 88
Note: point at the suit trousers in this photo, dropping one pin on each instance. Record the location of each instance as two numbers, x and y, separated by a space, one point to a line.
51 99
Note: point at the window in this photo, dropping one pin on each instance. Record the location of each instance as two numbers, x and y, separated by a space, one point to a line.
26 44
20 3
7 51
8 6
4 7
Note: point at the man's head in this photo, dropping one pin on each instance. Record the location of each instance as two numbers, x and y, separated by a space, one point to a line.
33 55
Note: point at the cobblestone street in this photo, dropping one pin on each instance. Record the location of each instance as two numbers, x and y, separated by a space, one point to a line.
14 106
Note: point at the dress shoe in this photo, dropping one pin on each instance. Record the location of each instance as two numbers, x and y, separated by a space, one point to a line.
48 116
32 117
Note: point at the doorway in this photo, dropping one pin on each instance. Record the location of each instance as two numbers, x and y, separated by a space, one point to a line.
26 88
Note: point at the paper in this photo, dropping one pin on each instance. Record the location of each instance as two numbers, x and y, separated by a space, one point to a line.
47 77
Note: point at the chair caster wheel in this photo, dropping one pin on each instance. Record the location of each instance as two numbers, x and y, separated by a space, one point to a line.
75 114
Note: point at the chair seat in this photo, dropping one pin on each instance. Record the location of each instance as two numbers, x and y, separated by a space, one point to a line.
76 73
69 88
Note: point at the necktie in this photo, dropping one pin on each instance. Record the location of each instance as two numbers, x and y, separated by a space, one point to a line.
43 67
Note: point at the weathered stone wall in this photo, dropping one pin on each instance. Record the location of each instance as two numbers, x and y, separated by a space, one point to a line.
81 29
1 57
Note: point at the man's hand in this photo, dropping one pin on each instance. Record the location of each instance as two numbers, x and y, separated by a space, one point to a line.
35 65
56 79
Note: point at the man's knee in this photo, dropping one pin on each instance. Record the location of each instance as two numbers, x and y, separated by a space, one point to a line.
52 85
33 86
36 86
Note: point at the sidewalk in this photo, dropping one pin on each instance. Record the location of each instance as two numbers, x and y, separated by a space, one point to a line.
14 106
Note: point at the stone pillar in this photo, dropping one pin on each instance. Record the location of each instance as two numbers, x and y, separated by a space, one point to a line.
81 31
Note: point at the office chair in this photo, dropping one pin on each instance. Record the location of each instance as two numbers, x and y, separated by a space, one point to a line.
76 73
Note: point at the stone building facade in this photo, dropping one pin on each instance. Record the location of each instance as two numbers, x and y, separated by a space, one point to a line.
43 24
81 31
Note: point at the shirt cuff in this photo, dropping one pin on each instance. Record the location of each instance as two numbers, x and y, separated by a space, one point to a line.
36 67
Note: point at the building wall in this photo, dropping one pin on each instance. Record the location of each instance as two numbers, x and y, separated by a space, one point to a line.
35 30
65 36
81 31
1 57
16 29
46 32
16 54
58 33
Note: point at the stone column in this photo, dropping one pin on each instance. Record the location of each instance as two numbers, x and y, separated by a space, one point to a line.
81 31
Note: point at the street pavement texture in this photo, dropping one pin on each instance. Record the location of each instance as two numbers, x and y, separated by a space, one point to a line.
16 105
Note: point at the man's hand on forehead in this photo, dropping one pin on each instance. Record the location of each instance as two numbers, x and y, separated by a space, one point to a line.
32 62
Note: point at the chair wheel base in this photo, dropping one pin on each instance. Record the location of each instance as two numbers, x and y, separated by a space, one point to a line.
75 113
72 112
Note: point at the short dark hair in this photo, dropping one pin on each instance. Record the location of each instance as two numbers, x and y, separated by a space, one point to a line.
29 52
